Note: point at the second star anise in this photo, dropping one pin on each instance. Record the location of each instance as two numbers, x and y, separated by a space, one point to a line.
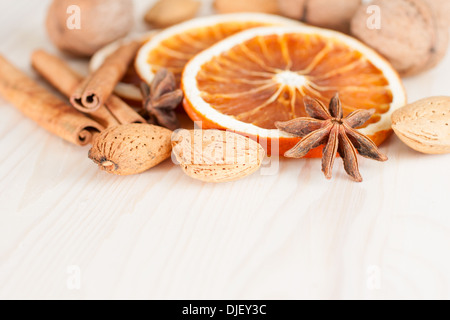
329 126
161 99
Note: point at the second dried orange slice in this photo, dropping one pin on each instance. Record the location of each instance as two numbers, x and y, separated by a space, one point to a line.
249 81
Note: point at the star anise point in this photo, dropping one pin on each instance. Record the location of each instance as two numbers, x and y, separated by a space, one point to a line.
329 126
161 98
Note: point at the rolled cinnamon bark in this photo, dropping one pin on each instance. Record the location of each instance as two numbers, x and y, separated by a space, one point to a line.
98 87
122 111
60 75
63 78
44 108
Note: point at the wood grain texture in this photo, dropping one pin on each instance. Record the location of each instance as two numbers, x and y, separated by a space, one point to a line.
160 234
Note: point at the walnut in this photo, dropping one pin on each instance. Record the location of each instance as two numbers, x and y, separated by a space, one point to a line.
443 10
101 22
413 34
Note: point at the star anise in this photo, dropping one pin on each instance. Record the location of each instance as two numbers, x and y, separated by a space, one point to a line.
328 126
161 99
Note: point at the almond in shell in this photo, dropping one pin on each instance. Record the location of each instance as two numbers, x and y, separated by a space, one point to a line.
131 148
232 6
166 13
425 125
216 156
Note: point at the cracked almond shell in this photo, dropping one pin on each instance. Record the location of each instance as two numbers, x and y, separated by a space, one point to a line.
216 156
425 125
131 148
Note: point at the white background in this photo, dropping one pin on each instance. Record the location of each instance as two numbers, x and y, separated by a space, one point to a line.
163 235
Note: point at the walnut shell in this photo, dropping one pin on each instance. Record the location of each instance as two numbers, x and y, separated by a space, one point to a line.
412 36
131 148
441 10
216 156
101 22
425 125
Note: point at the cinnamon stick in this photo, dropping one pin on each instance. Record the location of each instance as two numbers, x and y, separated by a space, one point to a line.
64 79
97 87
61 76
44 108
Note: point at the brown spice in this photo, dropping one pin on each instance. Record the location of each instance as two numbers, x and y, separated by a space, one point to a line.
44 108
98 87
161 99
328 126
61 76
56 72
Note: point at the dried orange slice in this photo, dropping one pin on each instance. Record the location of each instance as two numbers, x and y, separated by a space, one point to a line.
249 81
175 46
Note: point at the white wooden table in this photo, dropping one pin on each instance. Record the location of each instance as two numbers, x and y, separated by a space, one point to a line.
68 230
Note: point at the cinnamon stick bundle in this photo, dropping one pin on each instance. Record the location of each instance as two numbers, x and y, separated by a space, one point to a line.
61 76
97 87
64 79
44 108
